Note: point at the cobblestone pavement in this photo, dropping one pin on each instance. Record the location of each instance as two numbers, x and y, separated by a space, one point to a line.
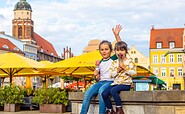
30 112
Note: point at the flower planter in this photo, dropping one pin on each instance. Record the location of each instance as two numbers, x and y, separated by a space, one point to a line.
52 108
11 107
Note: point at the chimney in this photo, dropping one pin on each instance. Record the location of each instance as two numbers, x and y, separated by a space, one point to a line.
64 53
70 53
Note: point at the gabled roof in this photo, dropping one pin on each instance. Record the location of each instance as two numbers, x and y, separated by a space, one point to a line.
165 36
45 45
14 40
9 44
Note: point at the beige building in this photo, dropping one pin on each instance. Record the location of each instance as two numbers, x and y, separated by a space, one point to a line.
92 45
138 57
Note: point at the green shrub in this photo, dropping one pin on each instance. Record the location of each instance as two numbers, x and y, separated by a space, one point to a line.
12 94
50 96
1 96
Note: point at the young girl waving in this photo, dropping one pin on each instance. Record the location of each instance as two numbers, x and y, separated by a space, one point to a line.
101 75
122 70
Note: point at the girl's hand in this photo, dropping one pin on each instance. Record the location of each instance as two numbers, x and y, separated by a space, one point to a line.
97 77
119 69
96 72
97 63
117 29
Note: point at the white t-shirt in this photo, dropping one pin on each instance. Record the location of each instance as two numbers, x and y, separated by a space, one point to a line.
104 68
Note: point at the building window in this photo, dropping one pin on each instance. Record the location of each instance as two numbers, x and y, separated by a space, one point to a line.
163 72
180 72
171 59
156 71
172 45
163 59
41 50
155 60
136 60
172 72
179 58
5 46
17 49
159 45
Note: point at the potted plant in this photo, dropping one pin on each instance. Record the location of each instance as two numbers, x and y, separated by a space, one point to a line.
12 98
51 100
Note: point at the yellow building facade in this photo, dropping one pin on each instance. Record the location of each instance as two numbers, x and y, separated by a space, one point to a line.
168 66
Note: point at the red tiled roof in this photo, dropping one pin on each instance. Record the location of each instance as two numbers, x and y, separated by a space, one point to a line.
45 45
11 46
165 36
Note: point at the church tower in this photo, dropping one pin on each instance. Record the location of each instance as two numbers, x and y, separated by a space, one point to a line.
22 24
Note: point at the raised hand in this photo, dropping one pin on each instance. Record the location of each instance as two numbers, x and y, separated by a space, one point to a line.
116 32
117 29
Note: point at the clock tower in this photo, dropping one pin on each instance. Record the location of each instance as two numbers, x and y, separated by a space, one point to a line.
22 24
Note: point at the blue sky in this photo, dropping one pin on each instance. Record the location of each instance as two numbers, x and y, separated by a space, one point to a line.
74 23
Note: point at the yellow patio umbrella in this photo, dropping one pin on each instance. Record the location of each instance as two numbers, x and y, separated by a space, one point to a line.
142 71
12 63
82 64
47 74
41 72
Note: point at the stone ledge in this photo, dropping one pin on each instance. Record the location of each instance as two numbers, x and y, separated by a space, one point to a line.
138 102
140 96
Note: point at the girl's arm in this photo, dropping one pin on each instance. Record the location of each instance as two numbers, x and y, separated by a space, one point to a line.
96 71
97 77
116 32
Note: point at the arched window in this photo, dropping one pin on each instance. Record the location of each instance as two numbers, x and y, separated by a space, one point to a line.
20 31
136 60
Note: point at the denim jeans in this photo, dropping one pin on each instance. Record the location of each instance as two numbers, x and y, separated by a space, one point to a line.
114 91
94 90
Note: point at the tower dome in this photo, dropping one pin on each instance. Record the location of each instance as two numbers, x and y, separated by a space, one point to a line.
22 5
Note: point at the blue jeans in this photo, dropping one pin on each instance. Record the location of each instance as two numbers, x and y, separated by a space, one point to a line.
96 89
114 91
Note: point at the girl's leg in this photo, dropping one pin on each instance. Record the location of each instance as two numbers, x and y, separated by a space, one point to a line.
89 94
106 97
115 93
102 107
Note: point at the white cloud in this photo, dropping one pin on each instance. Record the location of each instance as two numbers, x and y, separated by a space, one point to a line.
73 23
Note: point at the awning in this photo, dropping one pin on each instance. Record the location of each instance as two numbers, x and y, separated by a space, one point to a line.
154 79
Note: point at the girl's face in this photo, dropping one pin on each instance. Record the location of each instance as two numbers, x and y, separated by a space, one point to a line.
105 51
120 53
